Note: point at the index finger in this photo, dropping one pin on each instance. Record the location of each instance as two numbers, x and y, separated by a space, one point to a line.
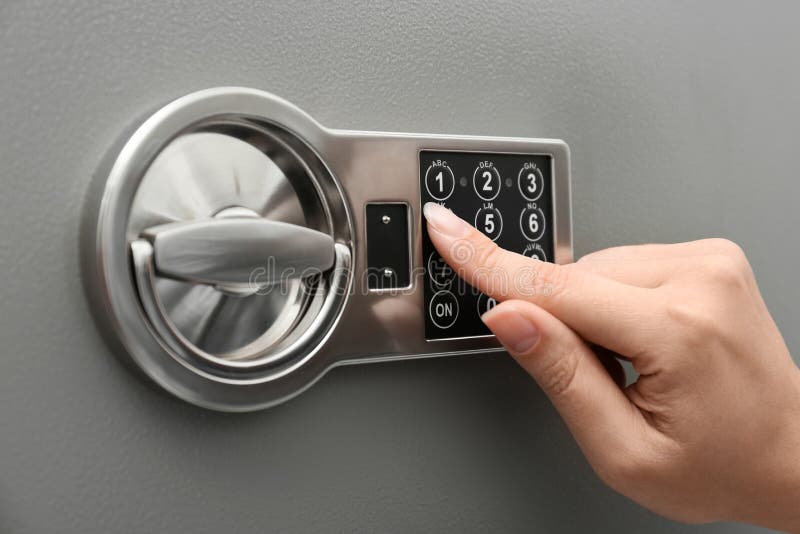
601 310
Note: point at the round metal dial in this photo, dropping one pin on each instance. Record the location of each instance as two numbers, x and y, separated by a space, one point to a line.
224 247
204 175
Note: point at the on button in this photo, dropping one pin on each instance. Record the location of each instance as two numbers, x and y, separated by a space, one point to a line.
443 309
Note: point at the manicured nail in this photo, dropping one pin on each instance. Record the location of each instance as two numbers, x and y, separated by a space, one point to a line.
445 221
514 330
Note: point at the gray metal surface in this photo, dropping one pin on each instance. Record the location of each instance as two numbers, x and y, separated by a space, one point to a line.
683 122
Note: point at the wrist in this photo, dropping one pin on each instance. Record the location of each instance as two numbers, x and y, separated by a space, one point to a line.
775 503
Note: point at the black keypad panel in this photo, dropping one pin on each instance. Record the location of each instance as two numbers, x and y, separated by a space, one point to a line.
508 197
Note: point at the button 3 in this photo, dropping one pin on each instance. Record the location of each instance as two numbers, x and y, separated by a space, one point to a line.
530 182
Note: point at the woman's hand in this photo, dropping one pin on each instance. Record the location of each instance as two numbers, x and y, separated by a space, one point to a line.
711 429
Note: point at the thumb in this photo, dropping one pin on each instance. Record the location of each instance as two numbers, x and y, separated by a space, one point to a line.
597 412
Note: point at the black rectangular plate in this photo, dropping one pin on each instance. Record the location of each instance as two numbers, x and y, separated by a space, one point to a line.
508 197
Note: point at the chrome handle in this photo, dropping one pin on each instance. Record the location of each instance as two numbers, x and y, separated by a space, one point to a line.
238 251
144 275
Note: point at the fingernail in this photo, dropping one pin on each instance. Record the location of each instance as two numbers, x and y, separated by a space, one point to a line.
514 330
445 221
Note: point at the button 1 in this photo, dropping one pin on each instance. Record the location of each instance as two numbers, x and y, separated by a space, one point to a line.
439 181
443 309
485 303
530 182
439 272
535 251
532 223
486 181
489 221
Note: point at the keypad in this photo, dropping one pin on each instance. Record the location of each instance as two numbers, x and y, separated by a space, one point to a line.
508 197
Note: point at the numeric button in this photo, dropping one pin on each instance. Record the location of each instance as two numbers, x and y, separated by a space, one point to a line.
535 251
486 181
443 309
439 180
530 182
440 273
485 303
489 221
532 223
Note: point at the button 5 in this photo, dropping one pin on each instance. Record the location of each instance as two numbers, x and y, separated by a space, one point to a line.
489 221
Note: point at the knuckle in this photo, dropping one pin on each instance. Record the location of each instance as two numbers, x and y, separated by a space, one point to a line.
612 253
621 469
643 460
598 255
728 248
696 324
558 371
488 255
555 279
725 270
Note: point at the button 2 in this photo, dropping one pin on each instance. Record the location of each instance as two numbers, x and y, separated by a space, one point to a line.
439 180
486 181
489 221
443 309
532 223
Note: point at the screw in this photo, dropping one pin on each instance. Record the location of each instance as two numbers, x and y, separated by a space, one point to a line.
386 219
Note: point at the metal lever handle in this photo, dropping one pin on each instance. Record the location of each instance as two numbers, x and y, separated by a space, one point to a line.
230 251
